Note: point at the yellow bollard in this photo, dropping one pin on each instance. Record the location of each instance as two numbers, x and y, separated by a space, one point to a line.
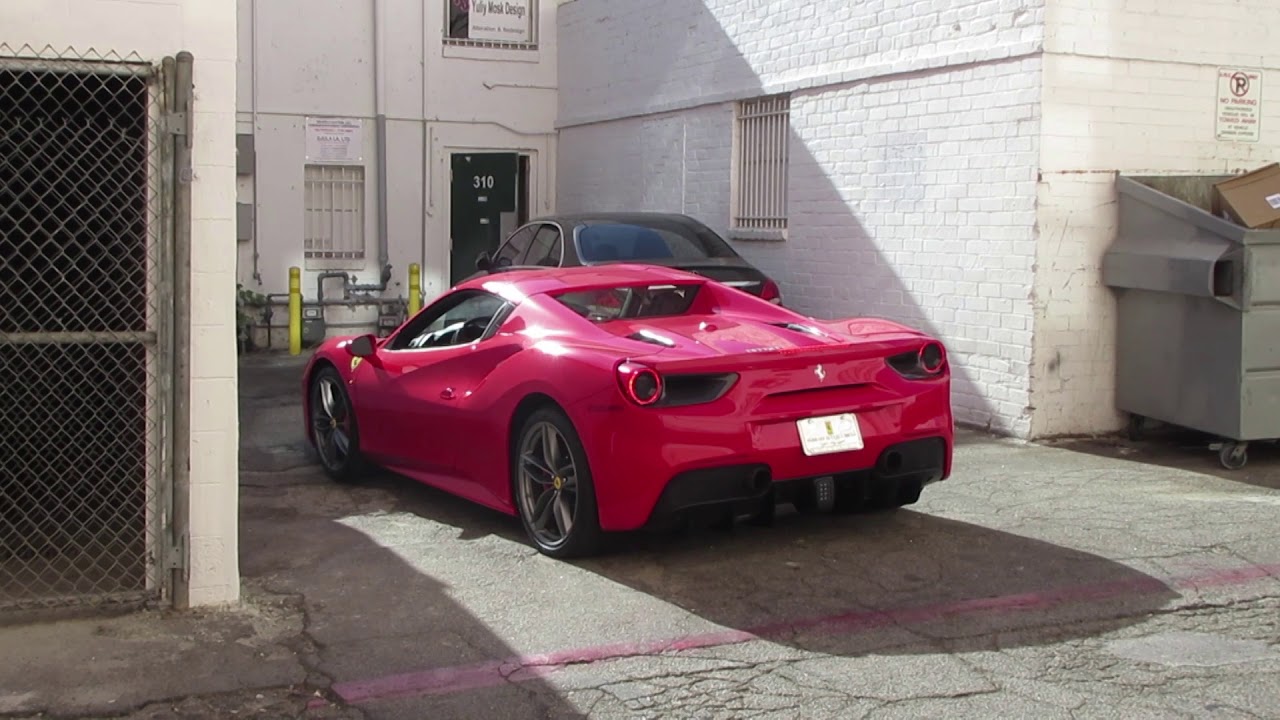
415 289
295 311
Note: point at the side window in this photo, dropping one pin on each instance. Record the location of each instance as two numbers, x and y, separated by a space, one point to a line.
545 249
459 319
512 253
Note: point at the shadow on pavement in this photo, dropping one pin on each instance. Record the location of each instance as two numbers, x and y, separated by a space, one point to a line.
843 585
898 583
373 619
1182 449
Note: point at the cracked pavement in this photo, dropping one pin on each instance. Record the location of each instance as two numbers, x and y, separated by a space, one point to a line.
1090 579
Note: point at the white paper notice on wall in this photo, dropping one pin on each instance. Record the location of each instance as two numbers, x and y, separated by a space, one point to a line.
500 20
336 141
1274 201
1239 107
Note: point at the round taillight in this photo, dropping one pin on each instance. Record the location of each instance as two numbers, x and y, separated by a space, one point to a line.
645 387
642 385
932 357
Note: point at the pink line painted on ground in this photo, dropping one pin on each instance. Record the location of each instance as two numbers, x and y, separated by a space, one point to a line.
443 681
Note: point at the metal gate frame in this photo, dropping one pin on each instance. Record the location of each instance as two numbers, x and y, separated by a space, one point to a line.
170 93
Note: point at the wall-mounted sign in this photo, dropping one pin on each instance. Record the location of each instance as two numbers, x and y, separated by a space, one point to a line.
500 20
335 140
1239 111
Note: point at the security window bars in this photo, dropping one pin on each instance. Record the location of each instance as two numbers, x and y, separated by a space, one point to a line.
760 157
505 24
334 225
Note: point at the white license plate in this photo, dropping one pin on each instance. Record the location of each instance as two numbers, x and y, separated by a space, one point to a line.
830 434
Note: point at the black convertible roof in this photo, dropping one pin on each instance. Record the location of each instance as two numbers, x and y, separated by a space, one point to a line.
618 217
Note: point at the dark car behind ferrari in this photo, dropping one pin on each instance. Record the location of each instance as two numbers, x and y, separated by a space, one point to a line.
667 239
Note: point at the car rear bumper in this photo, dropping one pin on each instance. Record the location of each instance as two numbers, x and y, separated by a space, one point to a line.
901 470
648 467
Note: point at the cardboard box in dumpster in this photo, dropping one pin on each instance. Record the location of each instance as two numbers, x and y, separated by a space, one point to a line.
1251 199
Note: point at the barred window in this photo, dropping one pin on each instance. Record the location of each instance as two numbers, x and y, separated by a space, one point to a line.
491 23
760 158
334 224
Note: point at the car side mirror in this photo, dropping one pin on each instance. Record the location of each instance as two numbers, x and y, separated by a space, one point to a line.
362 347
482 261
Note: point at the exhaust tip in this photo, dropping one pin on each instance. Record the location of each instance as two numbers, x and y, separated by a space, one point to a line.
893 461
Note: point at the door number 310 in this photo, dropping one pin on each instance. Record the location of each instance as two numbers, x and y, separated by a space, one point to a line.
482 181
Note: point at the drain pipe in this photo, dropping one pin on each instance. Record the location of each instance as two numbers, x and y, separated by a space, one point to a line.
253 94
379 72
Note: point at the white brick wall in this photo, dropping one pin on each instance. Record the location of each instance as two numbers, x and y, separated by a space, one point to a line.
1126 89
944 171
913 154
632 58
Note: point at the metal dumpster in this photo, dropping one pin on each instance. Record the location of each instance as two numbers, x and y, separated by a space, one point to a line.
1198 314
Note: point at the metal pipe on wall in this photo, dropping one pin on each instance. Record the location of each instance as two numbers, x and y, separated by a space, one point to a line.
282 300
379 100
424 151
330 302
253 101
325 276
267 314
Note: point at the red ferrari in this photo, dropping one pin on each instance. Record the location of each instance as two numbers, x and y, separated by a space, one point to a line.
599 399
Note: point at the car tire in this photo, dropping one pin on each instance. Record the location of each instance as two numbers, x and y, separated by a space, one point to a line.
334 433
542 490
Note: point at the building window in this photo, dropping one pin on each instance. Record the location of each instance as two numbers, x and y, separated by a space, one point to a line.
334 224
491 23
760 160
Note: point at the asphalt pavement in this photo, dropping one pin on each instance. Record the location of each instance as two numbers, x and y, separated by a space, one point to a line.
1098 579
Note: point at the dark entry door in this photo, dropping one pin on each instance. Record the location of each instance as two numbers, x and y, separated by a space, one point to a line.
485 199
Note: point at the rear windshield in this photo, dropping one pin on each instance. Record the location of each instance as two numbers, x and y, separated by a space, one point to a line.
657 239
615 303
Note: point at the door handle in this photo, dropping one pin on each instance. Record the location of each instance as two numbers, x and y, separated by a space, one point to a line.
447 393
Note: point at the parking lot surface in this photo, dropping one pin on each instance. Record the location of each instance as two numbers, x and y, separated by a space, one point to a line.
1092 579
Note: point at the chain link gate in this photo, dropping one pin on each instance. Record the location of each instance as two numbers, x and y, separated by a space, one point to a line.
87 228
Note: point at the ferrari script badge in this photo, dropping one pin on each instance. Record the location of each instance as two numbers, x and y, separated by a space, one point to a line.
822 374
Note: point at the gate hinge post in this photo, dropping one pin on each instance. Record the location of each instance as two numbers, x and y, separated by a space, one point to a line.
175 123
175 557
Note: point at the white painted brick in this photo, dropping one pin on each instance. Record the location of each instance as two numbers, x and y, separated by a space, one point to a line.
912 196
1151 112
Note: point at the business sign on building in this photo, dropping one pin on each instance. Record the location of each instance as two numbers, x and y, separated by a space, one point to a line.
500 20
336 141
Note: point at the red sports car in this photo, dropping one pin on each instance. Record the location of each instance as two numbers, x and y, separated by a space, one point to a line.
597 399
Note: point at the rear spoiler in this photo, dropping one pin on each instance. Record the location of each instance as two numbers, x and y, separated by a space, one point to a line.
791 357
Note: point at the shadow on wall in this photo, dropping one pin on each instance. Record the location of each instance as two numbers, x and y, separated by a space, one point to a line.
925 218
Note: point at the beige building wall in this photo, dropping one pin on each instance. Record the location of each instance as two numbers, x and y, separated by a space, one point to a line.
154 29
438 99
